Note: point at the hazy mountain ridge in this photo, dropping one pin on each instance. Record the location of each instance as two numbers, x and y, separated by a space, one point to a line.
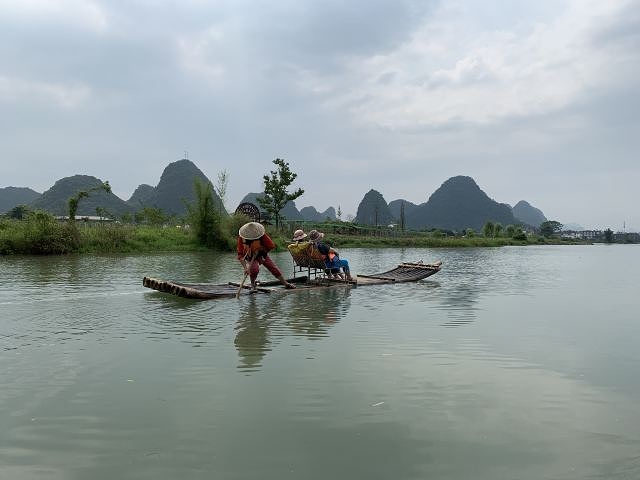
312 215
56 199
527 213
457 204
13 196
373 210
176 186
141 194
396 205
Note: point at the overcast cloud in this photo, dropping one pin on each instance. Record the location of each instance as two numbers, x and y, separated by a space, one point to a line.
535 100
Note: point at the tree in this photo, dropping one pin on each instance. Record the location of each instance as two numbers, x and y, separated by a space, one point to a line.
339 213
487 230
276 195
103 212
470 233
151 215
550 227
73 201
19 212
402 216
608 235
497 230
204 217
518 234
509 231
221 187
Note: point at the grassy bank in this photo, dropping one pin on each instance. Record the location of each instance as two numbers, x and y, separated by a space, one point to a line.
426 241
43 235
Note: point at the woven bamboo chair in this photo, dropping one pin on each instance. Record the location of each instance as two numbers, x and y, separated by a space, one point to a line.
307 259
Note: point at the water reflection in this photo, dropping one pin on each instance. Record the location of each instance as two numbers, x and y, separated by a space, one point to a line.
460 305
265 321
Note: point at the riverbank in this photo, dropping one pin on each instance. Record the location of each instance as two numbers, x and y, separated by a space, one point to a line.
55 238
427 241
49 238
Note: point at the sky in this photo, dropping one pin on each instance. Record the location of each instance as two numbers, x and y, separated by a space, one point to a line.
536 100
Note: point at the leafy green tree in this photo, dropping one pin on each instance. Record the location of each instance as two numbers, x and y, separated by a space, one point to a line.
19 212
339 214
497 230
73 201
608 235
509 231
151 215
403 219
103 212
487 230
518 234
221 188
470 233
204 217
126 217
550 227
276 195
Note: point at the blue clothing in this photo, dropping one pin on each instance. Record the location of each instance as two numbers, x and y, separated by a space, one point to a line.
333 266
337 263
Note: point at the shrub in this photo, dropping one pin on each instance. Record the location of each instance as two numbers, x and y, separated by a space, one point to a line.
204 217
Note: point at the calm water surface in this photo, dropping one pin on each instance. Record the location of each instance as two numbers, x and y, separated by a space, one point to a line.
511 363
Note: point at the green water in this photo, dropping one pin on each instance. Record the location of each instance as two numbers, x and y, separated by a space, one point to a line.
511 363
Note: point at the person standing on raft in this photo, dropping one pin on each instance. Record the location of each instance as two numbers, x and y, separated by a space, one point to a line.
254 246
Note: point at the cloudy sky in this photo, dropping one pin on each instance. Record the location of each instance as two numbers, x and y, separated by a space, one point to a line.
535 100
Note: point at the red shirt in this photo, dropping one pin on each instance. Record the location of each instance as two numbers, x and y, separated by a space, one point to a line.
259 247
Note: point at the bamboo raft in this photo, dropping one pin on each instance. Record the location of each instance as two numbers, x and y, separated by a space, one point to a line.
405 272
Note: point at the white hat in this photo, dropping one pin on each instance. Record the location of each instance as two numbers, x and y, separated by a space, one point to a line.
251 231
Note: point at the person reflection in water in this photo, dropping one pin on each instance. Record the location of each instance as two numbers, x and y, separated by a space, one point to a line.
288 315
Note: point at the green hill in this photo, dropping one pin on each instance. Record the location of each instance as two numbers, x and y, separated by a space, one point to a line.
528 214
373 210
13 196
176 185
395 206
313 215
458 204
141 195
55 200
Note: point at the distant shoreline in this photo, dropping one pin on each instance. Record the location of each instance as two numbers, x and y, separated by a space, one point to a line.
19 239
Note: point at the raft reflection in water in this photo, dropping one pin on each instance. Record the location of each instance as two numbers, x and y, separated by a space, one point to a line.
265 321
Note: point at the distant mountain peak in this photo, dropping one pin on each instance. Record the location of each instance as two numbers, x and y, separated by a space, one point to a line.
527 213
13 196
55 200
373 210
459 203
176 185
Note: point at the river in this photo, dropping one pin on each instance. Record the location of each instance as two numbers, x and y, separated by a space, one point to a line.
513 362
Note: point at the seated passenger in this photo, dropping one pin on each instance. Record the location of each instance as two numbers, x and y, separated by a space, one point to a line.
331 258
299 236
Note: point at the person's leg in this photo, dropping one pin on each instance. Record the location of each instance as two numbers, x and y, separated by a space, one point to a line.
275 271
254 268
345 266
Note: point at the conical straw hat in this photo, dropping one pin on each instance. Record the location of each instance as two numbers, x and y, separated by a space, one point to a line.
251 231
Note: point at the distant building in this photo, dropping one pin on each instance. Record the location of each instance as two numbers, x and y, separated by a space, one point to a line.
626 237
583 234
86 218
